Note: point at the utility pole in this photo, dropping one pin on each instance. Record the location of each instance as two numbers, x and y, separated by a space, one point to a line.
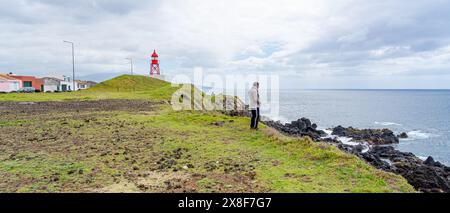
73 64
131 62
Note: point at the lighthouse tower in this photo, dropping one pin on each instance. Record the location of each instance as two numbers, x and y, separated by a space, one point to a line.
154 65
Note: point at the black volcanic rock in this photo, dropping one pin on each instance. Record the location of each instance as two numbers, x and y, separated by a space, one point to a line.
371 136
330 140
426 176
300 127
430 162
403 135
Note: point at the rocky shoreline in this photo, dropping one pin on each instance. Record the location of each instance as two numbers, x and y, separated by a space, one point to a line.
373 146
370 136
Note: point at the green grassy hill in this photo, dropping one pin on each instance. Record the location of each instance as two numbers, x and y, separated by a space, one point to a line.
129 83
140 148
122 87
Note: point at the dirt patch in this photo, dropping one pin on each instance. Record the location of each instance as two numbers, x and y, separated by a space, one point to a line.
228 165
7 108
300 177
121 187
155 182
169 160
166 182
230 183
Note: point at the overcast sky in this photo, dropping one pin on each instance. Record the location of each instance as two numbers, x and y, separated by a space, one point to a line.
310 44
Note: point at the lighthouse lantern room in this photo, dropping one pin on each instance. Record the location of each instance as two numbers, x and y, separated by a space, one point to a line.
154 65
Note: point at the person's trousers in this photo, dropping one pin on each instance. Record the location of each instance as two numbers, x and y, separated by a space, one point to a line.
255 118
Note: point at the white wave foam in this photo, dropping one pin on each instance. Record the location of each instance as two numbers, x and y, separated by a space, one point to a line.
418 135
275 118
346 140
328 131
366 149
386 160
387 123
422 157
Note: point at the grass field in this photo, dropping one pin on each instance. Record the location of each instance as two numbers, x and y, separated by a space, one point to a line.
115 139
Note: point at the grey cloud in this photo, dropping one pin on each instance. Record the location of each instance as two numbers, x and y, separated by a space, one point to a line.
374 39
78 12
118 7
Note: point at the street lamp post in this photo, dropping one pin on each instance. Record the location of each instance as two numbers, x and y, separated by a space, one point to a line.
131 62
73 63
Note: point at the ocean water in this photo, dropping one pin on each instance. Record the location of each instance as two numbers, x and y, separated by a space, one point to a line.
423 114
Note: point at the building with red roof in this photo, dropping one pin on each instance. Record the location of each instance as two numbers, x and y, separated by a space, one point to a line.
9 84
29 81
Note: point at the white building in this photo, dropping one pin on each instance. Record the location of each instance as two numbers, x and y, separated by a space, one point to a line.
80 85
51 84
60 83
9 84
66 84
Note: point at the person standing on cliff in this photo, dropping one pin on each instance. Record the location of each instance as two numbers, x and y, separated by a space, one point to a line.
254 105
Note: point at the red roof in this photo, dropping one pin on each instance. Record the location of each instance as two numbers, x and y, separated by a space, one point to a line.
8 77
154 54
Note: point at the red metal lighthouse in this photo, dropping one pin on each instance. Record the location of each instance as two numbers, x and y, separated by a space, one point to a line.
154 66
